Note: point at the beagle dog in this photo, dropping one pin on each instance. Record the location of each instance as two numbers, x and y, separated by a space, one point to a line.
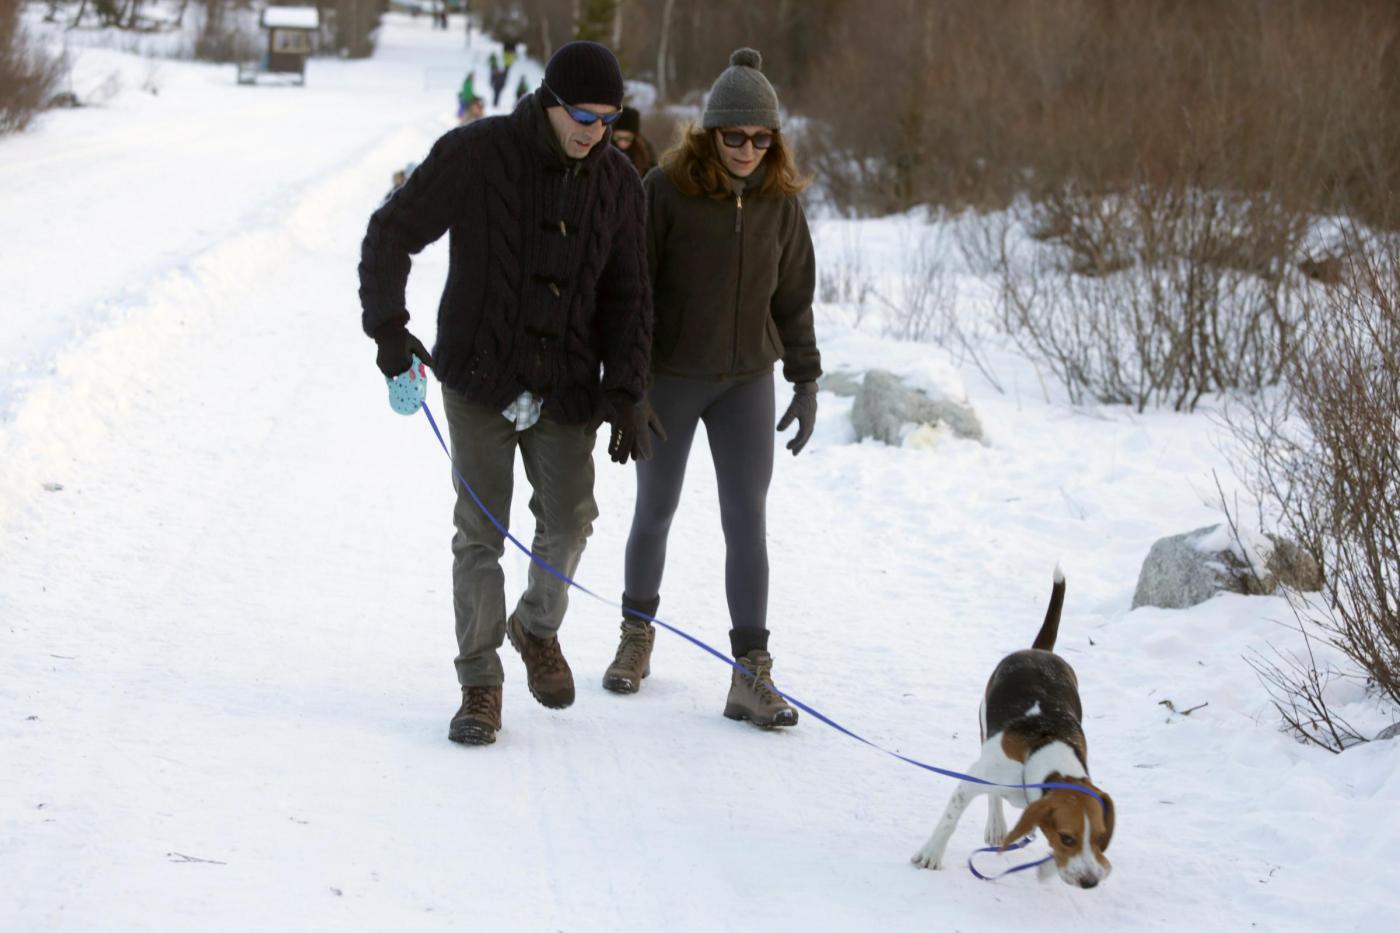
1031 734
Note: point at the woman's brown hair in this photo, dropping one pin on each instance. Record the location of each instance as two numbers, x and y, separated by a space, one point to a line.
695 167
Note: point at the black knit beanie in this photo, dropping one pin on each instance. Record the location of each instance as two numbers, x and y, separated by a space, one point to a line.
631 120
584 73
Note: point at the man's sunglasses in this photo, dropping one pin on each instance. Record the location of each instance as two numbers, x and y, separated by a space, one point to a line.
584 117
735 139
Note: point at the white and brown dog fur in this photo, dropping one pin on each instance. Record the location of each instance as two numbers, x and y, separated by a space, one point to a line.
1032 734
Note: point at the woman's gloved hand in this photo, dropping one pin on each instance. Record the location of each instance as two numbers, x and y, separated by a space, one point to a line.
803 410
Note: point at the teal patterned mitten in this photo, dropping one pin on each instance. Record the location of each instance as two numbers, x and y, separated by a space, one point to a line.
408 389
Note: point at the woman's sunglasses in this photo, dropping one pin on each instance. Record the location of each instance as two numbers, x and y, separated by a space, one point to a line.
584 117
735 139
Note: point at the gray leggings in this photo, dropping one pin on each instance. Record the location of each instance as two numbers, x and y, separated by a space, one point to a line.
738 418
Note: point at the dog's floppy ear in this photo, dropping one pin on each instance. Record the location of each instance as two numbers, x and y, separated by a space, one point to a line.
1107 821
1030 818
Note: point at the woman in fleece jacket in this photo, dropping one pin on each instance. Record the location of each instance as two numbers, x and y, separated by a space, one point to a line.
732 276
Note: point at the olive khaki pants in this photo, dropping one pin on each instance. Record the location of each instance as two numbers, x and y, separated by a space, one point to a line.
559 465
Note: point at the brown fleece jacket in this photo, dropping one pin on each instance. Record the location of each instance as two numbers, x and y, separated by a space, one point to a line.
732 283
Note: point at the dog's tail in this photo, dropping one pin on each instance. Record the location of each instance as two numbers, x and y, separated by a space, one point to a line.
1050 628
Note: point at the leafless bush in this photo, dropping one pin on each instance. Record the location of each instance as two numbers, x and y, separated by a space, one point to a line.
221 36
1297 686
844 278
978 102
1325 455
925 308
1151 296
29 75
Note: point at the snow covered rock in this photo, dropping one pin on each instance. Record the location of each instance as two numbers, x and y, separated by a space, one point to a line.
842 382
1187 569
1391 731
889 411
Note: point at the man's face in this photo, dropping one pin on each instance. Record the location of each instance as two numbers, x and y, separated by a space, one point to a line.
622 139
577 139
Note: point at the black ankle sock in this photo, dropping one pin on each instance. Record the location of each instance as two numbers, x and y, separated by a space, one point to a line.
744 640
645 606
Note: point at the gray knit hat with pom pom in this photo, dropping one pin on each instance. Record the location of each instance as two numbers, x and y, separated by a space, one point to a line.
741 95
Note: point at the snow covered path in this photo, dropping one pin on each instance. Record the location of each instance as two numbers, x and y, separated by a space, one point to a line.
228 636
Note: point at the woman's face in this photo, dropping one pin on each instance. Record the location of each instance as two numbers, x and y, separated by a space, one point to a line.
622 139
741 160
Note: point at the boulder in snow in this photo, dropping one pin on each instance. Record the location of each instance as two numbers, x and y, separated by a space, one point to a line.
888 410
1187 569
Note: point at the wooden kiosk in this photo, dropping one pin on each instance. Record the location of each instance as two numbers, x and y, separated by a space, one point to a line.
289 40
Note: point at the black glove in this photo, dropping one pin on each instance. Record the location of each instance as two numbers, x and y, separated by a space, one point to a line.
396 351
632 427
804 409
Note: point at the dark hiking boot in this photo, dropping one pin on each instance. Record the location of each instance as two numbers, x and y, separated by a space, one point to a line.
751 694
546 672
479 719
633 660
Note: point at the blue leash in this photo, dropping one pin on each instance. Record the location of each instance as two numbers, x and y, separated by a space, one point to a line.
815 714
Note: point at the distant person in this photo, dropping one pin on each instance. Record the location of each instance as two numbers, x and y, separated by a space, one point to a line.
498 79
543 333
440 14
466 93
400 176
522 88
627 136
476 109
732 275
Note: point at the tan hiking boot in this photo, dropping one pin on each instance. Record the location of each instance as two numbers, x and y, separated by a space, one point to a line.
479 719
546 672
633 660
751 694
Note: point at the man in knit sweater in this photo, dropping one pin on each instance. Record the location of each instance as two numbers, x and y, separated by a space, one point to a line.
547 284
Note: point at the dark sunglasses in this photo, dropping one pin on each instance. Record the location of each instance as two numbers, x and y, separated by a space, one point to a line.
583 117
735 139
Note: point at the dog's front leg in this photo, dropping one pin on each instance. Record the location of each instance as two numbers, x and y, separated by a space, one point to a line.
996 821
931 855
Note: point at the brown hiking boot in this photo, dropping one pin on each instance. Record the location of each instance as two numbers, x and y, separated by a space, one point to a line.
751 694
546 672
633 660
479 719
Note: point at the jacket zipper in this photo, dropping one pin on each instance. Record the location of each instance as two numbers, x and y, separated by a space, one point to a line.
739 284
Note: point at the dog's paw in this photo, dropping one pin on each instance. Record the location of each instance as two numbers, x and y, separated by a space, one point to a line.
927 858
996 825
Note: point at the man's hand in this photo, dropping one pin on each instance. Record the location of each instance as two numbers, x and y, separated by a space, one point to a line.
803 408
396 351
632 427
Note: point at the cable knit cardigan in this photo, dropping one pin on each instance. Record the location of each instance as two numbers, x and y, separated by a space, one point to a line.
547 278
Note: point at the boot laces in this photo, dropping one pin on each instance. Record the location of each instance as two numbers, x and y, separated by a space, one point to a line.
634 646
763 684
481 701
548 654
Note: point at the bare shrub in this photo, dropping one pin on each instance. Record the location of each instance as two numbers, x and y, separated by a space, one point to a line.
220 36
976 103
29 76
1151 296
1325 455
844 278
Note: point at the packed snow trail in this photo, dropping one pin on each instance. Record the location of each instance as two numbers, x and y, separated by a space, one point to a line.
228 637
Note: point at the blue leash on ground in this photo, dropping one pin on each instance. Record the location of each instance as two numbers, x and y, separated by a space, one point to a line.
815 714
